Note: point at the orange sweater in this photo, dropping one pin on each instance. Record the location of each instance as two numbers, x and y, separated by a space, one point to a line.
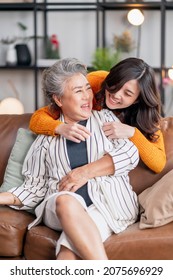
152 154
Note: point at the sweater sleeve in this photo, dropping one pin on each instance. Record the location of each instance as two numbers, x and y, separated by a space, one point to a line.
44 122
151 153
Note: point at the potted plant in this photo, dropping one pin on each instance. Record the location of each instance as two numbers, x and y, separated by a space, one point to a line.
105 58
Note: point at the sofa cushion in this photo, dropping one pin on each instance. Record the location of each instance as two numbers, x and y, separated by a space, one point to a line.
13 173
137 244
156 203
13 227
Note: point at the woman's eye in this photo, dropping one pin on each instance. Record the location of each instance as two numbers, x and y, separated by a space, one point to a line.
128 94
78 91
88 87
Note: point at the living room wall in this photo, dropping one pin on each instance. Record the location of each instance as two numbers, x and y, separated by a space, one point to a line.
76 32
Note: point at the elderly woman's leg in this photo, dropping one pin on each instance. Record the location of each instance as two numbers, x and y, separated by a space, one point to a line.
66 254
80 228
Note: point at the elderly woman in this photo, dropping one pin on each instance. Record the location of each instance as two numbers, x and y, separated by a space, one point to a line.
87 215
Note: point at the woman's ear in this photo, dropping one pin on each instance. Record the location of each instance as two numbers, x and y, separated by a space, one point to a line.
57 100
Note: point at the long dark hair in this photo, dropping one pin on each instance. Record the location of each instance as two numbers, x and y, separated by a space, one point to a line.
145 113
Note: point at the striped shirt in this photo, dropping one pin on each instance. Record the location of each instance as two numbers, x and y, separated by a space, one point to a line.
47 162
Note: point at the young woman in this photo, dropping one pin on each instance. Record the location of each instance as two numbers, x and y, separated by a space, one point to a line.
89 214
129 90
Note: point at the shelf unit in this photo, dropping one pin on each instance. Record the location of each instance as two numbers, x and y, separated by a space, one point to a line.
32 8
100 8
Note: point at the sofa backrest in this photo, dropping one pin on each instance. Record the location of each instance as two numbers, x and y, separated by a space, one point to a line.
9 124
140 178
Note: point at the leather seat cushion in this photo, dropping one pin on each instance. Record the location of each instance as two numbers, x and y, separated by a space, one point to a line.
40 243
13 228
145 244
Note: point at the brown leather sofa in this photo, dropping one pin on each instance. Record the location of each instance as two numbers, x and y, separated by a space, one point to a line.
16 242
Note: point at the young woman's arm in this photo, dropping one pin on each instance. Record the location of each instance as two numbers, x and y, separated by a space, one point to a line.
43 122
152 154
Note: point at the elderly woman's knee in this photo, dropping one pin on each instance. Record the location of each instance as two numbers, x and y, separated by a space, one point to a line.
64 204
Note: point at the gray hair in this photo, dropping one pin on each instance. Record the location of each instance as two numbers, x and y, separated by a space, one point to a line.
55 77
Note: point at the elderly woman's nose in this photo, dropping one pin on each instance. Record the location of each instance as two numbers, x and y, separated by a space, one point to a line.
86 94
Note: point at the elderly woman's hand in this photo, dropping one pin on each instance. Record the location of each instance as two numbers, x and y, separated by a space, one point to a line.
8 198
115 130
74 132
74 180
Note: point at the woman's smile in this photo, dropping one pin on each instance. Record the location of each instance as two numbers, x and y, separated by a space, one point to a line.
86 107
113 99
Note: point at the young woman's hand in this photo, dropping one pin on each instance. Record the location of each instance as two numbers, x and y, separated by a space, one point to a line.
115 130
74 132
75 179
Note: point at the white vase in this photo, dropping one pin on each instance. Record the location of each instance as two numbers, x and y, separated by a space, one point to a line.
11 55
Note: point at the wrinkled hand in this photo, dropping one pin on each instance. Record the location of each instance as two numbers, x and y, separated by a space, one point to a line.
116 130
74 132
74 180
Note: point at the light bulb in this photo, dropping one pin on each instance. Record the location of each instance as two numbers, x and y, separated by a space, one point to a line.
170 73
11 105
135 17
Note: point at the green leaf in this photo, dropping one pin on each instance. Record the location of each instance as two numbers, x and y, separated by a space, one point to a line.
22 26
105 58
